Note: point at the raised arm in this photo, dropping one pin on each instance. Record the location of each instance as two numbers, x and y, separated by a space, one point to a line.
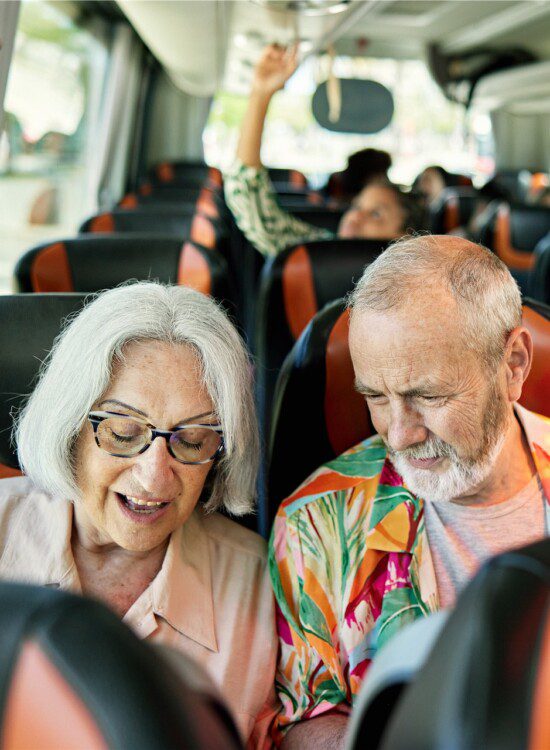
247 187
272 71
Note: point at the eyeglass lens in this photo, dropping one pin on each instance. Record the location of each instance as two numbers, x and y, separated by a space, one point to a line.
124 436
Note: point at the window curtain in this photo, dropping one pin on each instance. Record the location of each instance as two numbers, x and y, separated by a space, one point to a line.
9 13
117 118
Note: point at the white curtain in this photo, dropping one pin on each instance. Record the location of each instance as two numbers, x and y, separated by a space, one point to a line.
117 118
9 13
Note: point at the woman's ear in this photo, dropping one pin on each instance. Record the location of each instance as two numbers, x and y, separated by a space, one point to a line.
518 357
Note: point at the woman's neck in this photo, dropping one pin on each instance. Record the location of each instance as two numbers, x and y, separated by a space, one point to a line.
112 574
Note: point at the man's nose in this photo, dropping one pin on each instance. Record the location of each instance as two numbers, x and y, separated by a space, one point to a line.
405 427
153 468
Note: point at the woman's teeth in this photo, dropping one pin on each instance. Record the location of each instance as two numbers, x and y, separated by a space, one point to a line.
137 501
141 506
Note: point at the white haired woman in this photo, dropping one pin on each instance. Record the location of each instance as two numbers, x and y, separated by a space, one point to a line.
140 428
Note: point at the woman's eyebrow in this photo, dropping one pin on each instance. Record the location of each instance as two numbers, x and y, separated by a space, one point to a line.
196 416
143 414
124 406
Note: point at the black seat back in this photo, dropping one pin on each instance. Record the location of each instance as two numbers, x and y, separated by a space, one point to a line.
314 388
29 324
72 658
90 263
145 220
183 174
320 216
513 232
453 209
540 275
154 194
486 681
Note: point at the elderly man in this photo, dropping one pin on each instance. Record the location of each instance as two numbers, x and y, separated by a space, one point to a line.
393 529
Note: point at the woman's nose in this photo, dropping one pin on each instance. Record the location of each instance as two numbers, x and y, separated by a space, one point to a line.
153 468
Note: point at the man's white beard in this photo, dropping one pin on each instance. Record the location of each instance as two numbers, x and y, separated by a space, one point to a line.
462 478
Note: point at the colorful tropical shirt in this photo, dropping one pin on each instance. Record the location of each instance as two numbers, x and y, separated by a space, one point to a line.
350 566
252 200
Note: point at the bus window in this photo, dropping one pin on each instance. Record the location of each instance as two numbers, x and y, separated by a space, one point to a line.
457 140
52 98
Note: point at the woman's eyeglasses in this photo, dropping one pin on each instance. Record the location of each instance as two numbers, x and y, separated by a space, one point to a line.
124 436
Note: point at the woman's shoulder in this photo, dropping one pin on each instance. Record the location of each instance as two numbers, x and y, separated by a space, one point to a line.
15 491
234 537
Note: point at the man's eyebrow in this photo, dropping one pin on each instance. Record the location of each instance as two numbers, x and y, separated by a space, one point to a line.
423 390
426 390
365 390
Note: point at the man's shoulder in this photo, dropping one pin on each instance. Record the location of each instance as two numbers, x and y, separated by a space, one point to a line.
357 471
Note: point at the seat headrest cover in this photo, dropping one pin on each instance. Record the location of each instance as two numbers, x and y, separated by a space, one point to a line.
134 698
536 389
341 399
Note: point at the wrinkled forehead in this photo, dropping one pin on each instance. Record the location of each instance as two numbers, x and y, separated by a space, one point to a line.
405 337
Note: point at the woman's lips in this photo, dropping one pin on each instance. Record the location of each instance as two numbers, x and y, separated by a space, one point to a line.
142 514
424 463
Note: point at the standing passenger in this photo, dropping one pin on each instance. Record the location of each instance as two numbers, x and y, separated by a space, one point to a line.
140 429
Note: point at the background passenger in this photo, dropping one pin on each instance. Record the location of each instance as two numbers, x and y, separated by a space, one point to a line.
140 429
432 181
394 528
380 211
363 167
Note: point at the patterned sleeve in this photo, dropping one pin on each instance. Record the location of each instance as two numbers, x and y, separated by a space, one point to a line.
310 677
253 202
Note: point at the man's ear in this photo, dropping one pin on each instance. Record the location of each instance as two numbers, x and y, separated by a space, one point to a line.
518 356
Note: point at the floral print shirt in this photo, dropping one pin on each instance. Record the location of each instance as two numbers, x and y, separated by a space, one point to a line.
351 565
252 200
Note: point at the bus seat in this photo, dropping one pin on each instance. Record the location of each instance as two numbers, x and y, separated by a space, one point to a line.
484 653
314 388
316 383
160 194
453 209
516 183
294 286
74 676
157 220
320 216
29 325
539 287
287 179
513 232
91 262
146 219
184 174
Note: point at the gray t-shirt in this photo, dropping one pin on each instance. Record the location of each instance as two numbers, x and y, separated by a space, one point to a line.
462 537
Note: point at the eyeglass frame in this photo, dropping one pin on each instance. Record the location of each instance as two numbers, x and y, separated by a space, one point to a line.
97 417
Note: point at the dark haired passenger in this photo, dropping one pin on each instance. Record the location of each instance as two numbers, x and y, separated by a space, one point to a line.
380 211
363 167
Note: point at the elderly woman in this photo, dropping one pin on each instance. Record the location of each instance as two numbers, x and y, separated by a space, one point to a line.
140 429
